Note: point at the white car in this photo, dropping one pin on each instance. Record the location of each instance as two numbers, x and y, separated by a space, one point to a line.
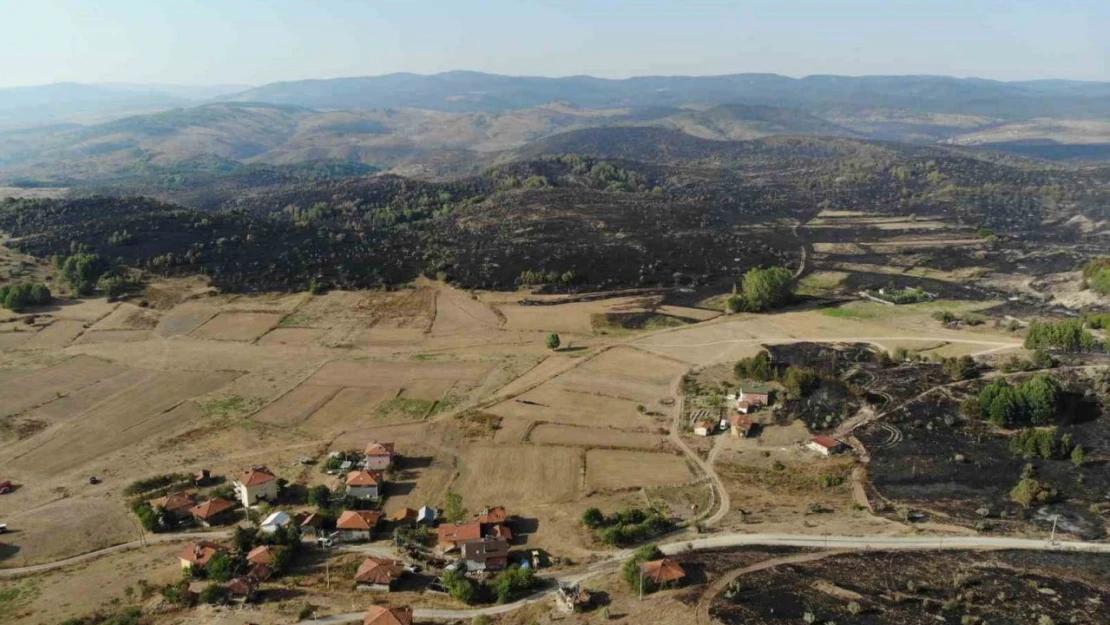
3 528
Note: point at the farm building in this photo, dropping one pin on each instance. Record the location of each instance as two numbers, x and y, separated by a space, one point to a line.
663 572
310 523
404 516
200 553
262 554
744 407
754 399
825 445
379 456
356 525
492 515
427 515
485 554
255 484
705 428
213 512
242 589
381 615
378 574
364 484
176 505
741 426
276 520
450 535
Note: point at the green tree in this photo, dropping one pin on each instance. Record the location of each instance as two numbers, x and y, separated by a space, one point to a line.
243 538
758 367
593 518
319 496
453 509
221 567
800 382
459 586
82 270
1042 397
213 593
553 341
514 582
765 289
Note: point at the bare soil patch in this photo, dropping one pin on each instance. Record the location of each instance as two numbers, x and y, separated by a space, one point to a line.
557 405
612 469
237 326
128 316
27 390
518 476
113 336
292 336
185 318
57 335
296 406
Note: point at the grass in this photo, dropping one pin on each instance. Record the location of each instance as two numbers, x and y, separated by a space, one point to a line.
295 320
232 406
405 407
630 323
820 282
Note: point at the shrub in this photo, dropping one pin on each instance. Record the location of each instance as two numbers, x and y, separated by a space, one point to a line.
1068 335
765 289
758 367
513 583
459 586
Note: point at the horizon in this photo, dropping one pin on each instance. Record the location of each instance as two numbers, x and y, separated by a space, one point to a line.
202 42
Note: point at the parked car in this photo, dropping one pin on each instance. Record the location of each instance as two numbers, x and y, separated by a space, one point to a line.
3 528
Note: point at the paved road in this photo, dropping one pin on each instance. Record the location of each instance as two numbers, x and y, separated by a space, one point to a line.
839 543
153 539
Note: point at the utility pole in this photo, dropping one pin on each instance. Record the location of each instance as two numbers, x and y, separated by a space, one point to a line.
641 581
1052 539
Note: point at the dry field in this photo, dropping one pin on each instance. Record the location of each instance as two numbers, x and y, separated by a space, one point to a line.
568 435
55 336
616 469
185 318
295 407
518 476
113 336
237 326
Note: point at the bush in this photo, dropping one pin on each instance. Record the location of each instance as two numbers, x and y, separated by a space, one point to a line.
213 593
593 518
460 587
1029 492
514 583
758 367
627 527
454 511
1068 335
765 289
18 297
800 381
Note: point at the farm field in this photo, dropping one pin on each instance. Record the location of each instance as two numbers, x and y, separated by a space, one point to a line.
614 469
555 434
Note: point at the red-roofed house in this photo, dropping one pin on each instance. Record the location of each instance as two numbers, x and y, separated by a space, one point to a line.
379 456
449 535
741 426
255 484
825 445
262 554
493 515
381 615
355 525
378 574
364 484
662 572
213 512
755 400
176 505
200 553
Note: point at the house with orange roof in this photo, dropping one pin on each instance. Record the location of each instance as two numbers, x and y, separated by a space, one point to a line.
200 553
381 615
379 456
663 572
177 504
255 484
450 535
378 574
825 445
364 484
215 511
356 525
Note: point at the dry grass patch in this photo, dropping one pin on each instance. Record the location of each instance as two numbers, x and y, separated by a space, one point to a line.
518 476
113 336
551 403
29 389
129 317
292 336
351 408
609 469
237 326
296 406
375 374
54 336
185 318
555 434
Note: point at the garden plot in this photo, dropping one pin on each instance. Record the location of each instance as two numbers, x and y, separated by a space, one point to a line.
185 318
613 469
27 390
113 336
296 406
555 434
237 326
518 476
55 336
125 418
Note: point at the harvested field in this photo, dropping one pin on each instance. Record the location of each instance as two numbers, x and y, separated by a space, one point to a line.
573 318
185 318
518 476
351 408
512 430
103 522
557 405
372 374
125 418
292 336
129 317
425 388
387 337
633 364
237 326
12 340
457 312
55 336
277 303
554 434
296 406
27 390
83 309
687 312
113 336
617 469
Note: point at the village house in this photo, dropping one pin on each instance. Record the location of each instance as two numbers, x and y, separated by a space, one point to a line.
364 484
754 399
262 554
356 525
217 511
662 573
200 553
741 426
825 445
404 516
176 505
242 589
274 521
378 574
256 484
484 554
379 456
705 428
381 615
449 535
494 521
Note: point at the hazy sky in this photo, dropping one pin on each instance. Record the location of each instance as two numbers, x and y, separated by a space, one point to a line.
259 41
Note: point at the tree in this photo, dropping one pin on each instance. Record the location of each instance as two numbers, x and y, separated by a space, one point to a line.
764 289
758 367
514 582
1078 456
800 381
213 593
593 518
1042 397
243 538
221 567
319 496
82 270
453 509
631 569
553 341
1030 492
459 586
962 368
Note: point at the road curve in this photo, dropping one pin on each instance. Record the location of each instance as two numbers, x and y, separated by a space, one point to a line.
153 539
839 543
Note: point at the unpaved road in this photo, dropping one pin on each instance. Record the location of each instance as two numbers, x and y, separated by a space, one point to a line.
153 539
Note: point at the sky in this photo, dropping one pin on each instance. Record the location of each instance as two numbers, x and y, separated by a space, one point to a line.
254 42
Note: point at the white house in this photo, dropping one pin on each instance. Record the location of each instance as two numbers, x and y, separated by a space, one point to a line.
825 445
705 428
379 456
364 484
255 484
277 519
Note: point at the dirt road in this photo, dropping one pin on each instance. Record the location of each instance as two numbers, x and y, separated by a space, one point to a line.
153 539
